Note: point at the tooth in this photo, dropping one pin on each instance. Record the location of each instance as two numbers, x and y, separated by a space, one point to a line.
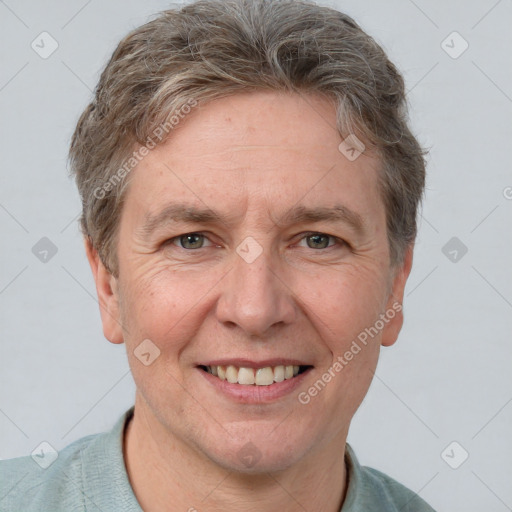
279 373
264 376
249 376
232 374
246 376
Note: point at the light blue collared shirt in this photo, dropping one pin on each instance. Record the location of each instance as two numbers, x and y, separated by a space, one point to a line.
90 475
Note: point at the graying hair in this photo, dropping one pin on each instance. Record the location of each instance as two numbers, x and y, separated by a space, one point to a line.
211 49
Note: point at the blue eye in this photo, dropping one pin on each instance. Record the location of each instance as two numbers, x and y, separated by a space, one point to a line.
190 241
320 240
314 240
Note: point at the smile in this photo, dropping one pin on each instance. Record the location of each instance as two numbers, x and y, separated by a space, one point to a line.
254 376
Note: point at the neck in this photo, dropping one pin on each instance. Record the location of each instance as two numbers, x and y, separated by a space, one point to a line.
168 475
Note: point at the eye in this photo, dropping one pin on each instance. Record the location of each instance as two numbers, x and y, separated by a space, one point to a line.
320 240
189 241
314 240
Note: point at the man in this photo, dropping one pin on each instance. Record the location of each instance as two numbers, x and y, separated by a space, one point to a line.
250 189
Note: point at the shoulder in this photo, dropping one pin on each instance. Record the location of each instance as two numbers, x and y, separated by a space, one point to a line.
393 492
39 482
372 490
88 474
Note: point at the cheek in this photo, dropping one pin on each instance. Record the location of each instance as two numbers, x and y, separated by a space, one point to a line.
343 303
162 304
159 306
343 310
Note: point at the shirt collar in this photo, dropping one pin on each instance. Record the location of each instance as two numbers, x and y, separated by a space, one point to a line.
105 479
103 461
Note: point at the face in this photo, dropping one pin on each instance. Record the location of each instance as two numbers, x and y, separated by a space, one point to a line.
249 240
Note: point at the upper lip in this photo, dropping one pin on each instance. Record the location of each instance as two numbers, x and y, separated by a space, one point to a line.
248 363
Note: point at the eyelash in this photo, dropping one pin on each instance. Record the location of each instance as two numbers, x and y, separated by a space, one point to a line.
338 241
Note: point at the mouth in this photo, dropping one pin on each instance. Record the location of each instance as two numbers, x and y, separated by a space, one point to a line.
255 376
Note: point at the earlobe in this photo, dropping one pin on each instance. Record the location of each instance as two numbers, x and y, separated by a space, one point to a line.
394 307
107 292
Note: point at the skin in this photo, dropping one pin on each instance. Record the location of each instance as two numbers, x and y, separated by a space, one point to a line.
252 157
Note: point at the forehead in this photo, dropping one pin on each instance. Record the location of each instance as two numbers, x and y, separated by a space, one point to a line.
255 122
261 150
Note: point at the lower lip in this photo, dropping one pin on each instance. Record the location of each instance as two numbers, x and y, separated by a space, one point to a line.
252 394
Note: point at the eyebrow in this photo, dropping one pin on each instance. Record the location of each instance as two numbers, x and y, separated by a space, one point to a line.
187 213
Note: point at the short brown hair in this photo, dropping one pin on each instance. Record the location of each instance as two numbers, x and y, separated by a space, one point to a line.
210 49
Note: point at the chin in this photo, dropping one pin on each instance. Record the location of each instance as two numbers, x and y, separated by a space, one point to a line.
258 455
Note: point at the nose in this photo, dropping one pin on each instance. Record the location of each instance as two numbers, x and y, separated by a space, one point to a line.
256 297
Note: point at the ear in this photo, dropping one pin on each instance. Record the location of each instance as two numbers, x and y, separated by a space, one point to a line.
394 309
107 291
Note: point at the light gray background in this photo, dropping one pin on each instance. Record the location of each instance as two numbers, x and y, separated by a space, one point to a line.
449 376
